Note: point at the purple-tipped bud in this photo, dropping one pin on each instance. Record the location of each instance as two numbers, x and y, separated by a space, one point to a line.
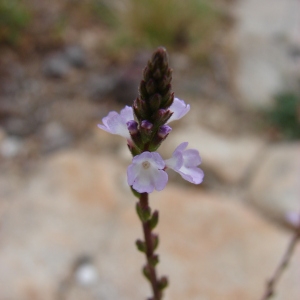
132 127
146 125
163 115
163 131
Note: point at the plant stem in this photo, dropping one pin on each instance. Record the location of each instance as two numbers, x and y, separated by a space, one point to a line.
150 250
271 284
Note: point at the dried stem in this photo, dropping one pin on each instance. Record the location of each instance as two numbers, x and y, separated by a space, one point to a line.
149 252
272 282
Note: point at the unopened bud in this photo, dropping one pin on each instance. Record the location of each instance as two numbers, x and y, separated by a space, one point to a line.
151 86
163 131
132 127
155 102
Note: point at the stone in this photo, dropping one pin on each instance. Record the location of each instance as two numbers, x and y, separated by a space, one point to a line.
61 212
56 66
76 56
98 87
263 41
274 188
68 232
229 159
10 147
54 136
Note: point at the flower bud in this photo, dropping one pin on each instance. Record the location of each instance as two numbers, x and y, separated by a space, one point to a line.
132 127
155 102
146 125
151 86
159 137
163 131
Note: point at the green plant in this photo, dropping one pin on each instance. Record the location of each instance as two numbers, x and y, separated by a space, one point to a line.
13 19
172 23
285 115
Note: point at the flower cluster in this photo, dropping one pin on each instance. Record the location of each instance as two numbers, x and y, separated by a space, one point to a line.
147 171
145 125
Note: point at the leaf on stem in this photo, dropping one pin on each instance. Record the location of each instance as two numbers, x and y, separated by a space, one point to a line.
144 214
163 283
141 246
146 272
154 220
155 241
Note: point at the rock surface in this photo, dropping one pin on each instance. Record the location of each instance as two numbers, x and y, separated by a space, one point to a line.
266 35
67 232
275 188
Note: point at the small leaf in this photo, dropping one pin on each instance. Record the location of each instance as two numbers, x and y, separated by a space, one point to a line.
154 260
154 220
163 283
141 246
155 241
135 193
144 214
146 272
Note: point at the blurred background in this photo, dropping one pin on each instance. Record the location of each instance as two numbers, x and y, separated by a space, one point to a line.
67 219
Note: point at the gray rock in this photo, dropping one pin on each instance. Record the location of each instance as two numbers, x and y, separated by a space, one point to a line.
76 56
10 147
263 36
56 66
275 188
20 126
98 87
54 136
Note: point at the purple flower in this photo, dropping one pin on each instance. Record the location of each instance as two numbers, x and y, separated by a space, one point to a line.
185 163
146 173
179 109
117 123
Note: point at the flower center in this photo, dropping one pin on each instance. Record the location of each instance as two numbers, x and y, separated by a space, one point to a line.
146 165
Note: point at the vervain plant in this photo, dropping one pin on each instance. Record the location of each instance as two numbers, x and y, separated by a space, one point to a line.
145 126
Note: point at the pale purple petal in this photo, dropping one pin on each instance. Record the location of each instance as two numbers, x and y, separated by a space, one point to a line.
181 147
193 175
157 160
127 113
185 163
175 162
179 109
191 158
160 180
132 172
117 123
146 172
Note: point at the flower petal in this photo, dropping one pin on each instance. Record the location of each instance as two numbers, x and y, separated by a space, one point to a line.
160 180
193 175
146 172
185 163
191 158
179 109
117 123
